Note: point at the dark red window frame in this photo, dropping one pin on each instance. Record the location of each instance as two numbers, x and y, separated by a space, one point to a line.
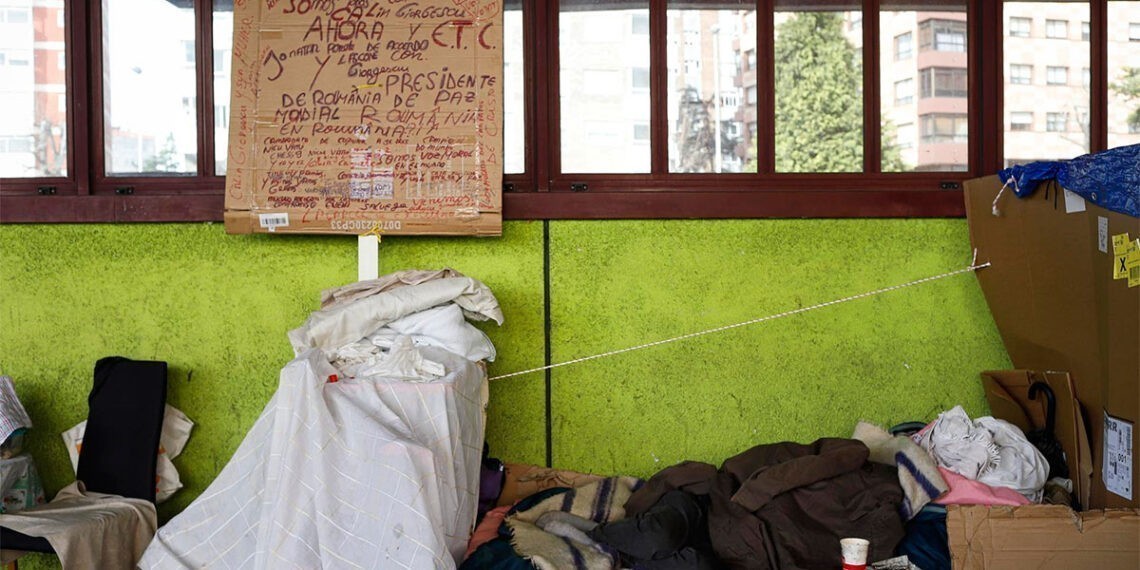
544 192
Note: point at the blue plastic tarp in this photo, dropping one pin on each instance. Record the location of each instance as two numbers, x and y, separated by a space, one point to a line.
1109 179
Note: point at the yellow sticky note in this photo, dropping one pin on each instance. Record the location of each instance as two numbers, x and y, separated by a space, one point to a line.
1120 244
1134 276
1120 266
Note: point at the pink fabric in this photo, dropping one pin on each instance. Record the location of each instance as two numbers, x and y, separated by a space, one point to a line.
487 530
965 491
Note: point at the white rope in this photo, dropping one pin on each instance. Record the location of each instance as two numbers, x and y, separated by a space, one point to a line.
968 269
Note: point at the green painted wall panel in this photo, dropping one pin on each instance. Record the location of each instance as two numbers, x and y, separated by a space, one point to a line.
900 356
217 307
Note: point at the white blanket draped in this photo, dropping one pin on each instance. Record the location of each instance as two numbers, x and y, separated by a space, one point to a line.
362 473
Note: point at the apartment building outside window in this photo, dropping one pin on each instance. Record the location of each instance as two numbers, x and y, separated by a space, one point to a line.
1057 29
1057 75
1021 121
904 46
904 92
1134 32
1020 27
1020 74
1056 122
944 82
1086 31
942 35
944 128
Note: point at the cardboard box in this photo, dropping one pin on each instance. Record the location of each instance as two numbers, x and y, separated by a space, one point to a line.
1053 296
1007 392
360 117
1042 537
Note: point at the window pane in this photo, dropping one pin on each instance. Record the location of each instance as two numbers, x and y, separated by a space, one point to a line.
1037 77
33 90
223 54
712 49
149 89
603 85
514 97
939 74
1123 73
819 95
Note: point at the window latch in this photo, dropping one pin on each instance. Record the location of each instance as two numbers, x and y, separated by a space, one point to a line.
949 185
579 187
45 190
125 190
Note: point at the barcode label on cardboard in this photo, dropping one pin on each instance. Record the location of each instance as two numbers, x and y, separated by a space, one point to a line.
1117 471
273 221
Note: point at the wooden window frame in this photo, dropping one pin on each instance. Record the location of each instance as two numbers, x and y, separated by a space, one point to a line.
543 191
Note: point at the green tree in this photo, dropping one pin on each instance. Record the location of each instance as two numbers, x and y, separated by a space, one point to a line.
166 160
819 100
1129 88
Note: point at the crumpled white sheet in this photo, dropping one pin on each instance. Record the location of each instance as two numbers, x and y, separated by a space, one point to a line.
370 472
988 450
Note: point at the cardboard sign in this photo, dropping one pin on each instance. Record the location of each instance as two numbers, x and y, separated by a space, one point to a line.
350 116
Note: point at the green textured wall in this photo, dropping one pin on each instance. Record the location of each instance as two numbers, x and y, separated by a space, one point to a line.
217 307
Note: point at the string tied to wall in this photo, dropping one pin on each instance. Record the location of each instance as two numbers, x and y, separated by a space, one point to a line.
974 266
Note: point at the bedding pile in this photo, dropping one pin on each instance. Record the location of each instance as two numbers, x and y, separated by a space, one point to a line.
368 454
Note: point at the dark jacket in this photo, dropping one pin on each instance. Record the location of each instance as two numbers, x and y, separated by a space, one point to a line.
786 505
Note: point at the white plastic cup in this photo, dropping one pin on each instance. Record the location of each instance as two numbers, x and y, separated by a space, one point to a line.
854 553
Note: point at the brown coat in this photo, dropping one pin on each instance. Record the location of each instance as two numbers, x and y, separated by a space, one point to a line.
786 505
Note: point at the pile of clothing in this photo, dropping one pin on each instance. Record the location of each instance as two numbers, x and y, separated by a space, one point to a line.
774 506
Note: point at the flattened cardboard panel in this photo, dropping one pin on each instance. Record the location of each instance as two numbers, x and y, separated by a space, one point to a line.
1042 537
1053 298
357 115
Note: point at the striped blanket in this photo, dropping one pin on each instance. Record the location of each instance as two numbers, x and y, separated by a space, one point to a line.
601 501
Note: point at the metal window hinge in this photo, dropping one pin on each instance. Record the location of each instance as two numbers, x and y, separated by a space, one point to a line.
949 185
45 190
508 187
125 190
579 187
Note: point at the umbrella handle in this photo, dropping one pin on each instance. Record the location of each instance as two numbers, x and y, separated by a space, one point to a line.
1050 403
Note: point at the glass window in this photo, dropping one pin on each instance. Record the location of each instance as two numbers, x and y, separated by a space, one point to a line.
705 115
1058 29
1049 139
149 128
1020 27
514 88
223 54
639 22
1086 31
597 119
942 29
945 128
639 78
942 35
1020 74
904 46
944 82
33 93
904 92
1056 122
1055 75
1021 121
641 132
818 87
1123 74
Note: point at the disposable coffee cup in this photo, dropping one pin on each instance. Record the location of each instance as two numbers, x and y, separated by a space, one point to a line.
854 553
